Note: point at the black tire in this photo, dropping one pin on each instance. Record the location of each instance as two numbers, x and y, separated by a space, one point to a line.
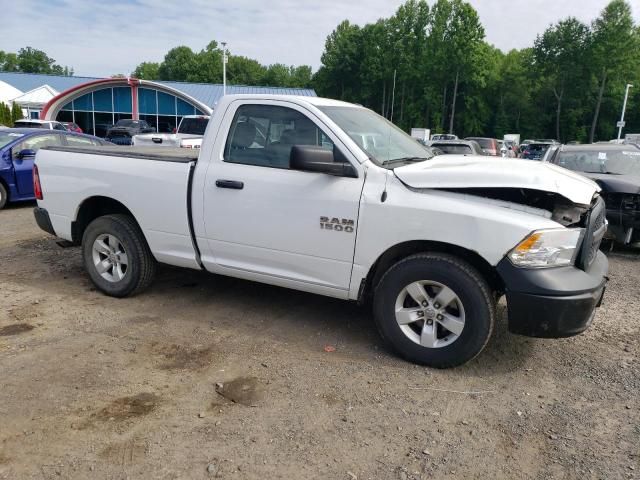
141 267
4 196
472 290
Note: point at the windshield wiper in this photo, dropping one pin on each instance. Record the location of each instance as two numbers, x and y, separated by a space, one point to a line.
603 173
406 160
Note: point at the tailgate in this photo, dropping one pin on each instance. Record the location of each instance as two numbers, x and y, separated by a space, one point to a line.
156 140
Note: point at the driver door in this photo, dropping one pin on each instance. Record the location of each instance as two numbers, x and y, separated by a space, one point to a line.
267 222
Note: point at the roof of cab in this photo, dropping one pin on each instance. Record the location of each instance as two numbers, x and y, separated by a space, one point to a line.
316 101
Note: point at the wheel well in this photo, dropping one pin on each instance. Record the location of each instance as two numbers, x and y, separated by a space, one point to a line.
93 208
6 187
405 249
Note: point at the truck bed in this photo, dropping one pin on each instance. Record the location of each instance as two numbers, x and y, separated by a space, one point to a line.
160 154
154 184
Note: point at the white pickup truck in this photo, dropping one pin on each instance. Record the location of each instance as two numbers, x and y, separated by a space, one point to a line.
188 134
283 192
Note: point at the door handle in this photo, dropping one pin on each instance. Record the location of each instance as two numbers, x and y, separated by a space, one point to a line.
234 184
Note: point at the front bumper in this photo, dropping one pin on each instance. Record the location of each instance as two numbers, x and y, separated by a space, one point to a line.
553 302
43 220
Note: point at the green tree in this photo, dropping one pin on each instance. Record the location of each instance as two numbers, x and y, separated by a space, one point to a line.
8 62
300 77
615 51
5 115
180 64
339 74
561 56
31 60
244 71
16 113
147 71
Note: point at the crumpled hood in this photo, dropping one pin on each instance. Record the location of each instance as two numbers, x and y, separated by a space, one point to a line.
468 171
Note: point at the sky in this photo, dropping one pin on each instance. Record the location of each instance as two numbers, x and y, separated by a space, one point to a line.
109 37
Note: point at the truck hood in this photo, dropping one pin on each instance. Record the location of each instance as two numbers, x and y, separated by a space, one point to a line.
472 172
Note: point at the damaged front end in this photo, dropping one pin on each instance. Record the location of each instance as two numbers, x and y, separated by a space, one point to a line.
549 204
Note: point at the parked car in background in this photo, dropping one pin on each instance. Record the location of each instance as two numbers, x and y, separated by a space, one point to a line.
33 123
509 149
514 138
489 146
616 168
123 131
188 135
18 147
284 191
535 150
460 147
444 136
632 138
72 127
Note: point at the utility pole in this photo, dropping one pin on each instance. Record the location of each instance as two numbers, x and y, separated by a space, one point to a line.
393 94
224 68
624 107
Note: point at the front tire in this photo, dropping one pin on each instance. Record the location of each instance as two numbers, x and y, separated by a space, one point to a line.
116 256
434 310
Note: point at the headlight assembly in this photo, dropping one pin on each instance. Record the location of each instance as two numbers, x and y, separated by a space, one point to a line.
556 247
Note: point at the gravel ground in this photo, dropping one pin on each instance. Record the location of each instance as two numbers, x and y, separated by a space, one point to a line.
211 377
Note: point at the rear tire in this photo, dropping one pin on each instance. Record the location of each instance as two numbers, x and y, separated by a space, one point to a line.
434 310
4 196
116 256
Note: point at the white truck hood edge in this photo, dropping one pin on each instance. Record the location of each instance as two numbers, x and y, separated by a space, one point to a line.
460 171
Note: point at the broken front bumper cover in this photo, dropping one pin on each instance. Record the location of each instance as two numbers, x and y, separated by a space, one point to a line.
553 302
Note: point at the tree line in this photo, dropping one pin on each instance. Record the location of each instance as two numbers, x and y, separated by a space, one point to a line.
31 60
183 64
431 66
8 115
568 85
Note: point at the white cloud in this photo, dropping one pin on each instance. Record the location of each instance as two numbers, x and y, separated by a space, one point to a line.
103 38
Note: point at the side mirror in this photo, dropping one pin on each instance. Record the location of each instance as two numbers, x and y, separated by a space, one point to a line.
26 153
310 158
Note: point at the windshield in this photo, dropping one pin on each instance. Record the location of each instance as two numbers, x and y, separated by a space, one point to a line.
453 148
617 162
487 143
537 147
380 139
126 123
193 126
7 137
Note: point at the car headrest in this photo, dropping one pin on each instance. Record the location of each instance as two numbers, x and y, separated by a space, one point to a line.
244 135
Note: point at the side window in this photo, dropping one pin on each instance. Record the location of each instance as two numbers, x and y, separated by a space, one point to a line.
59 126
36 142
74 141
263 135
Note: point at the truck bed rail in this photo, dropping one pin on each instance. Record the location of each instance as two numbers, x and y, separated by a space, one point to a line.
164 154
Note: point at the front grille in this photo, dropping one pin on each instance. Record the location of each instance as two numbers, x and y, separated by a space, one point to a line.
595 228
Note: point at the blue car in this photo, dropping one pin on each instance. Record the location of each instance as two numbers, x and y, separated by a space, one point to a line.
18 147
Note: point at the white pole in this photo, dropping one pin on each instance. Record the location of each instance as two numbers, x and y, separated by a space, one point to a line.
393 94
224 68
624 107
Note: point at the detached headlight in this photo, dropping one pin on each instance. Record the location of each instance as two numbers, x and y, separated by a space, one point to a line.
556 247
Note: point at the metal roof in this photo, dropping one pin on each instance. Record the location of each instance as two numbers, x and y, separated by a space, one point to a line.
207 93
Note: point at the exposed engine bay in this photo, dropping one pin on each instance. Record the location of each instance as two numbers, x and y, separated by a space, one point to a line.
561 209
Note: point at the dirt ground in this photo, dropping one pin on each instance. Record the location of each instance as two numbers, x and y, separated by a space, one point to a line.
210 377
